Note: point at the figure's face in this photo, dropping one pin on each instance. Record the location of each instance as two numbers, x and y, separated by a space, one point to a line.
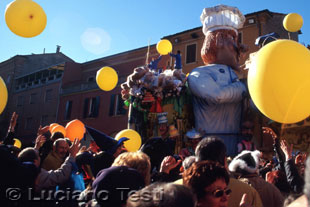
247 130
163 129
216 195
62 149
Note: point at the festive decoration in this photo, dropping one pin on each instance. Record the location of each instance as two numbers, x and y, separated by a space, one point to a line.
25 18
52 126
75 129
59 128
17 143
279 83
134 142
4 95
292 22
106 78
164 47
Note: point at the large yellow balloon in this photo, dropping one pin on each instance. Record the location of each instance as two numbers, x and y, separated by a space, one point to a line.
292 22
106 78
3 95
279 81
134 142
25 18
17 143
164 47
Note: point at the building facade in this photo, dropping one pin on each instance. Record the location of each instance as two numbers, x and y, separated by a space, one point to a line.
33 83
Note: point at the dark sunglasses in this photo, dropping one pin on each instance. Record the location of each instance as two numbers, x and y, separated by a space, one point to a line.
220 193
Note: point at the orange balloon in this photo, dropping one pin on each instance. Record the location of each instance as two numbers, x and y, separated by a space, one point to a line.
59 128
52 126
75 129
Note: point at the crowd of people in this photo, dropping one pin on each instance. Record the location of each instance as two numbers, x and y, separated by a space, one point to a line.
60 172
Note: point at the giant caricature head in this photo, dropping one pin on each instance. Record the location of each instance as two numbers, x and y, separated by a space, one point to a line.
220 26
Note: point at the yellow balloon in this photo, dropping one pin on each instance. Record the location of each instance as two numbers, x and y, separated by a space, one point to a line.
25 18
164 47
106 78
292 22
134 142
17 143
3 96
279 81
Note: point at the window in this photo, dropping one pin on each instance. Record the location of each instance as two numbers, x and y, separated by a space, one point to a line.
29 123
91 107
251 21
190 53
20 101
240 37
117 105
48 95
91 79
44 120
33 98
68 110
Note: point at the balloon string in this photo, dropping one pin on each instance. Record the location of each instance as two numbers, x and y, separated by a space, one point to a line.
147 54
289 35
263 44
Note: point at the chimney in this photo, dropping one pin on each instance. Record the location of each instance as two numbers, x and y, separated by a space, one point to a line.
58 48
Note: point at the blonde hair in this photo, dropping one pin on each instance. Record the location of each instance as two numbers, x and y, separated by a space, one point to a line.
136 160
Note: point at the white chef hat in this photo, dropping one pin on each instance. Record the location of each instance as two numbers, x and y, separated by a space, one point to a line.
221 17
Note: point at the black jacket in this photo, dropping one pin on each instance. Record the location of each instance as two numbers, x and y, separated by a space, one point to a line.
293 178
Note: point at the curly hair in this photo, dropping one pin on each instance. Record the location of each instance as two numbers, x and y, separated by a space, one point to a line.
202 174
137 160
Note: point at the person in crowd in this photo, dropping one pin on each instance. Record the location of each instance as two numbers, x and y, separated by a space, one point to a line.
193 138
214 149
294 179
246 164
154 63
278 178
188 161
47 146
114 185
136 160
209 182
55 159
163 195
246 136
109 149
164 132
50 179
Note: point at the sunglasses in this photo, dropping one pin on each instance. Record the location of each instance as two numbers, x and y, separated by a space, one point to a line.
220 193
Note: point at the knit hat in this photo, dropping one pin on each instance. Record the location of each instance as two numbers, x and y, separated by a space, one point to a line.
105 142
247 161
112 185
221 17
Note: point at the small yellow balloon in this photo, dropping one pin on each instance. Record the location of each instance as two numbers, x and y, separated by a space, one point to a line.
25 18
106 78
4 95
164 47
134 142
17 143
293 22
279 81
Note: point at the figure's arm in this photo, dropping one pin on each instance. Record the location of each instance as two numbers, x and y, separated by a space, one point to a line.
172 55
205 87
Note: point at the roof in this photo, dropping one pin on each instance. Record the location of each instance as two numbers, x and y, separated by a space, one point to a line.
249 14
37 62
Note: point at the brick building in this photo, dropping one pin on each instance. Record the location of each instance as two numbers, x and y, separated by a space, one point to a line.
82 99
33 83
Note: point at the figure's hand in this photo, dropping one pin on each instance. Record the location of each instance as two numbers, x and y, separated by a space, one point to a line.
243 202
168 164
43 130
39 141
74 148
287 150
13 122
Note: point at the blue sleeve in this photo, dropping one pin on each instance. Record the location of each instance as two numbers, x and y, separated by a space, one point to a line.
205 87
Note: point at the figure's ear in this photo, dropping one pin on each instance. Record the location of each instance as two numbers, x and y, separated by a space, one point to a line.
219 40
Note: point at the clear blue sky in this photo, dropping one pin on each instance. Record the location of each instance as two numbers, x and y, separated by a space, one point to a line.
91 29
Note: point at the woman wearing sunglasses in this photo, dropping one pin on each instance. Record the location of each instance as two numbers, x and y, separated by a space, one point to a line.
208 180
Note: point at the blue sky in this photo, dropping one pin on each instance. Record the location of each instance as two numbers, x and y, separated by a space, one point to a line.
87 30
